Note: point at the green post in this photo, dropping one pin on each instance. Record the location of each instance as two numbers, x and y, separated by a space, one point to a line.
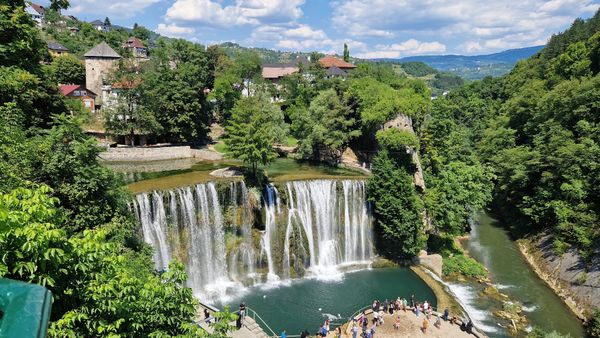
24 309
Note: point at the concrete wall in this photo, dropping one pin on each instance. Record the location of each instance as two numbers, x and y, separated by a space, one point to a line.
146 154
96 69
157 154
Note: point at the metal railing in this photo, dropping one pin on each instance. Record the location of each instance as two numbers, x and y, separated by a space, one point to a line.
252 314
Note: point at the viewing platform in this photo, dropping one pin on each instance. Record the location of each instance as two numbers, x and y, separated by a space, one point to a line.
412 326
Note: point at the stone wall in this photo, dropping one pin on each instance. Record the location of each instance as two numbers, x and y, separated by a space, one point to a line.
157 154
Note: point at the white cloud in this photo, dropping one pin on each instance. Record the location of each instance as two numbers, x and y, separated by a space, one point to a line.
242 12
116 8
482 25
408 47
174 31
300 37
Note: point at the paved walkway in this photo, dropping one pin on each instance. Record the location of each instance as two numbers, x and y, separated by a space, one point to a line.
410 326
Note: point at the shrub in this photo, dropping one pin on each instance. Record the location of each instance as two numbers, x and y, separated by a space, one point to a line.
463 265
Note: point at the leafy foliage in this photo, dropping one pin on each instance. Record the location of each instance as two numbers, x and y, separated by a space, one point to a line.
325 128
67 69
463 265
396 206
254 126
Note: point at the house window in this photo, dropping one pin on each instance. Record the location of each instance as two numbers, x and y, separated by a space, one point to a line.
88 104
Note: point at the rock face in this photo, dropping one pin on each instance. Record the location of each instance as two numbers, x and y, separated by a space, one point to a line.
432 262
576 282
404 123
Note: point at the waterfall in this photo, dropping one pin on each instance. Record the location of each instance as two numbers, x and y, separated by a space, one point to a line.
153 219
271 206
315 228
321 215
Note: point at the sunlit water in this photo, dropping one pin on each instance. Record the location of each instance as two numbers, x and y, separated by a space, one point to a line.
303 304
491 245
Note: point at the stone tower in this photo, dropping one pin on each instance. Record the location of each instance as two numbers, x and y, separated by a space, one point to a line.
99 62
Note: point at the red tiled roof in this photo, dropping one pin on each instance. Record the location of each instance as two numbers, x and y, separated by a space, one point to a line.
38 8
133 42
275 72
68 89
331 61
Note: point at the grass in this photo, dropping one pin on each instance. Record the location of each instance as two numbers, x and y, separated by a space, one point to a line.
290 141
221 147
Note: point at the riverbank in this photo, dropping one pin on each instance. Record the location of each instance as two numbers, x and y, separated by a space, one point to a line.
539 261
444 298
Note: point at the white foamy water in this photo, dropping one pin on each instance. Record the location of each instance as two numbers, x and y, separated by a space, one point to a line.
323 226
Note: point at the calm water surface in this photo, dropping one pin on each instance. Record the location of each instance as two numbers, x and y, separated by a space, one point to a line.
303 303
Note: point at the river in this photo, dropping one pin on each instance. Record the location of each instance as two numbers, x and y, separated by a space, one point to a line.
491 245
302 304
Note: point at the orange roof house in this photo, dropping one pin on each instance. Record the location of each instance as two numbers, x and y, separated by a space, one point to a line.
79 92
136 46
332 61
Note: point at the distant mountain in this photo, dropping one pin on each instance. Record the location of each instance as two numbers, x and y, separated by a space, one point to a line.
474 66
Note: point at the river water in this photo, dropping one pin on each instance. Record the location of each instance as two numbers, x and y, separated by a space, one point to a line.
302 304
491 245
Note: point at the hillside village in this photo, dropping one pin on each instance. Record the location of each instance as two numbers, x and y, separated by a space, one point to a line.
111 71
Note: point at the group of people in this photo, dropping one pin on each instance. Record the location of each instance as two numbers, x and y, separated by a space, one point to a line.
402 304
324 330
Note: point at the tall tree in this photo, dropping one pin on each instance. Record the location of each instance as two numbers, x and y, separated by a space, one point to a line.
254 126
346 53
68 69
325 128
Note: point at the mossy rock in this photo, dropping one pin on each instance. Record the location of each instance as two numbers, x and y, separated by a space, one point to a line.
380 263
493 293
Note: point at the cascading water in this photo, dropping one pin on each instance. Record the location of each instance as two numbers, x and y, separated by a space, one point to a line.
314 228
271 206
318 207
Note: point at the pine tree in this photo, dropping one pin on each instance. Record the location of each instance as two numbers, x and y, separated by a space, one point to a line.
346 53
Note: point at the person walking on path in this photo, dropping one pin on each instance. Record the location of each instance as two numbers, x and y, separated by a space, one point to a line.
354 330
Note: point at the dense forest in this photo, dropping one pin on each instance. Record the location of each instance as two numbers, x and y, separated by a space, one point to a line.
526 144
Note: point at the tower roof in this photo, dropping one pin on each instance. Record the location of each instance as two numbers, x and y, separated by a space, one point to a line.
102 50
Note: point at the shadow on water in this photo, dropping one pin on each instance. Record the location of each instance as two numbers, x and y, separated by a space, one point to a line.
491 245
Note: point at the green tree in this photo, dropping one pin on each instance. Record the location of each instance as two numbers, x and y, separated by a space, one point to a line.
107 22
128 117
225 94
397 207
254 126
67 69
22 46
325 128
141 32
346 53
173 91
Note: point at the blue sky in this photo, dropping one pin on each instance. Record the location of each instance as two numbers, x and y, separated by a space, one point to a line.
372 28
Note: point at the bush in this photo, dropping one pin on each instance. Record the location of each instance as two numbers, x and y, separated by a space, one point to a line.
593 325
463 265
